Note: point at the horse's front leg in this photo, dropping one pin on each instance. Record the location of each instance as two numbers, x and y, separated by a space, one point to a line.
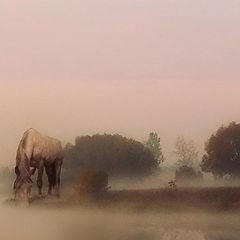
39 177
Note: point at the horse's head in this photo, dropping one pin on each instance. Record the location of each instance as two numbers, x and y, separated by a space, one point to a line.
22 185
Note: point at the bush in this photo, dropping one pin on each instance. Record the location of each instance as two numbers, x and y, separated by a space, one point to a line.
186 173
92 182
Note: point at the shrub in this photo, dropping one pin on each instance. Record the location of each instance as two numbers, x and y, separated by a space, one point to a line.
92 182
187 173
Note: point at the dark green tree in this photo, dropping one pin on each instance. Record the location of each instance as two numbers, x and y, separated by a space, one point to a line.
223 152
116 155
154 145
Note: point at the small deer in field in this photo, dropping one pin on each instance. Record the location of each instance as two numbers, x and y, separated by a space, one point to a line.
172 184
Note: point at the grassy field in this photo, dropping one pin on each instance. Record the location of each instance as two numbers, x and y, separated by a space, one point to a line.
180 199
214 198
184 214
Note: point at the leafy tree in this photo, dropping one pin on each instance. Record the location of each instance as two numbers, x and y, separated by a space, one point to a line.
113 154
153 143
186 152
223 152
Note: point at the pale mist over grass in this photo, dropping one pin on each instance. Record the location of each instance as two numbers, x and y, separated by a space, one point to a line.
93 224
71 68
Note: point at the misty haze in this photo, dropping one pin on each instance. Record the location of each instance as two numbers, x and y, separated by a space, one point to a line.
120 120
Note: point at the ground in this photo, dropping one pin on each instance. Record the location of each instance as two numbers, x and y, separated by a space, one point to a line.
197 198
157 214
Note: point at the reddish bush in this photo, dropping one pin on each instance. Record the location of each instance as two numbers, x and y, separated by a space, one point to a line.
92 182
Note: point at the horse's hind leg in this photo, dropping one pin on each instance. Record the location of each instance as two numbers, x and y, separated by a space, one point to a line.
58 173
39 177
50 176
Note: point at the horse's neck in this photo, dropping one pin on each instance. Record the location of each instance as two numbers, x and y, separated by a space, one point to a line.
23 163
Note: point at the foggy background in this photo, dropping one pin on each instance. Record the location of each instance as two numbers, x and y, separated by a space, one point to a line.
128 67
71 68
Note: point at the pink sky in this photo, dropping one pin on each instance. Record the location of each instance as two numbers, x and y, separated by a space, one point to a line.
80 67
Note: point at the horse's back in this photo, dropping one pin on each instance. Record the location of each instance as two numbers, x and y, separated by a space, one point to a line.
38 147
50 148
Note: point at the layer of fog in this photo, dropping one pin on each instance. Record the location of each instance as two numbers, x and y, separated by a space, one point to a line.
90 224
162 179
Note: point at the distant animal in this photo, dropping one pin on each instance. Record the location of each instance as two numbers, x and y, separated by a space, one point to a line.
172 184
37 152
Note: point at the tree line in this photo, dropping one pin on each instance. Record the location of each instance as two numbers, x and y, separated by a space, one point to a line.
119 156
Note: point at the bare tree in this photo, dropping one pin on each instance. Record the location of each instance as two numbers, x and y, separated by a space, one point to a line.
186 152
187 159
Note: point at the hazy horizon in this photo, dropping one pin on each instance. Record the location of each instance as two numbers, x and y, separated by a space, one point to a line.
67 110
128 67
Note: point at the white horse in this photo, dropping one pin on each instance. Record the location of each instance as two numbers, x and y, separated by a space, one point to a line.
37 152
